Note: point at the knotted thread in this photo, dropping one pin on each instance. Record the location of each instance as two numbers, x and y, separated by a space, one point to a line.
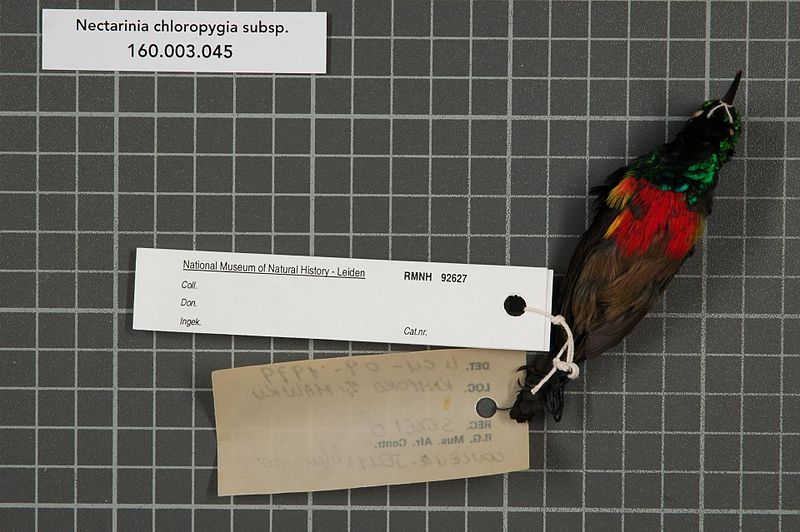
725 106
567 365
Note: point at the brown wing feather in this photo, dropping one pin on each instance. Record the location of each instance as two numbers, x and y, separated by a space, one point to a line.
613 293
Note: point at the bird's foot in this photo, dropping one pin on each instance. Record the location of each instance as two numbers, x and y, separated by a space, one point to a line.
550 397
527 406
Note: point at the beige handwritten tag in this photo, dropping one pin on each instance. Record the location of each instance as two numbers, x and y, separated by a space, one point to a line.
366 421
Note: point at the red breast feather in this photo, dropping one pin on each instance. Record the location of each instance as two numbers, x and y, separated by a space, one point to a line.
648 216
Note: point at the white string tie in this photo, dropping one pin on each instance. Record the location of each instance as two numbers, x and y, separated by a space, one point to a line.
566 365
725 106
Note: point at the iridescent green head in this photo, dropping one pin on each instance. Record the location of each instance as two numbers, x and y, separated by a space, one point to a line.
719 122
690 163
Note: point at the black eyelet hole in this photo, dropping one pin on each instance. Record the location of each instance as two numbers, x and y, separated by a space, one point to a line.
515 305
486 407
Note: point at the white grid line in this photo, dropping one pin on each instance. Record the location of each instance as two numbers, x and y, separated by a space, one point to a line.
154 406
783 273
624 342
76 295
115 315
704 308
430 194
36 288
117 233
509 131
662 303
547 235
586 366
470 87
744 272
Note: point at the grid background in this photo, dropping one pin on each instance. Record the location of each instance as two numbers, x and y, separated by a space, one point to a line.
459 131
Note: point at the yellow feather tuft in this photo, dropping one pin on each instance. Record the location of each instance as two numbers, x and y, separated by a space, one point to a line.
620 195
613 227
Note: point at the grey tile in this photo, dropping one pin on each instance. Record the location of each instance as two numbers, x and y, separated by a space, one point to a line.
680 490
449 175
209 520
341 61
370 137
94 485
336 520
175 94
489 137
410 215
253 95
410 137
134 486
214 135
569 58
55 447
24 19
96 93
525 489
488 176
450 57
687 59
687 19
411 58
134 518
372 57
94 518
173 409
648 58
490 19
609 58
568 97
410 175
136 94
450 96
55 518
173 486
759 491
174 519
489 96
488 521
569 18
609 19
214 95
372 18
529 137
56 93
410 96
412 18
603 521
451 18
530 58
642 490
19 53
292 95
566 489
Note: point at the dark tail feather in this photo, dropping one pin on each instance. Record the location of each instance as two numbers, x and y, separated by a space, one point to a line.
550 396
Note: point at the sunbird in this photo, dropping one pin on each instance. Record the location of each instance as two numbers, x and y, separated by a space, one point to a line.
648 217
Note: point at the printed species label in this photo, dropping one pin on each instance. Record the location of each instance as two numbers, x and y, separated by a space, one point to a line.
428 303
184 41
366 421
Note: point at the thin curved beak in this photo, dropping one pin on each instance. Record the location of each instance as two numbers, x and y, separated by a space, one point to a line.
731 94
